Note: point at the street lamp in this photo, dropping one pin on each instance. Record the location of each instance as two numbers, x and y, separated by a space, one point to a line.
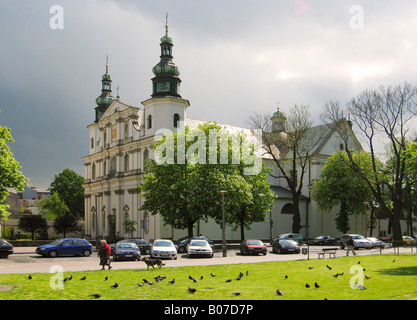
222 192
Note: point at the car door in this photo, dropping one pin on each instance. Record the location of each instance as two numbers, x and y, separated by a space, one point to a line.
66 248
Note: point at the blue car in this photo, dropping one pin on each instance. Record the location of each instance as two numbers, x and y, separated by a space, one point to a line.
66 247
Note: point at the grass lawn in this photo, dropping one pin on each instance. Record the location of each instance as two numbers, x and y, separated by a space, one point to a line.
389 280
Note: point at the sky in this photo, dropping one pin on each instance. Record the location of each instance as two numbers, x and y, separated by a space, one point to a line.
236 57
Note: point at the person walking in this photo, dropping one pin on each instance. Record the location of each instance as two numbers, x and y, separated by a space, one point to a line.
350 246
104 252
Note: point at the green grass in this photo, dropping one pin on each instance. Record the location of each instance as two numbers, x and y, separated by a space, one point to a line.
388 281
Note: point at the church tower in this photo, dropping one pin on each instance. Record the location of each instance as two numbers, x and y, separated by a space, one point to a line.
105 99
278 121
166 109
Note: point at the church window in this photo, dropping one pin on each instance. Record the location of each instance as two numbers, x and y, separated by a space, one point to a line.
92 143
288 209
149 122
176 120
126 130
126 163
93 171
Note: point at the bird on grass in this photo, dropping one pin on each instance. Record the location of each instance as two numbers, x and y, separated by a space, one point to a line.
140 284
286 277
213 275
310 268
393 260
30 277
146 281
202 277
307 285
336 275
236 293
279 292
328 267
192 290
172 281
316 285
247 273
106 278
359 262
341 274
70 278
83 278
96 295
229 280
115 285
367 277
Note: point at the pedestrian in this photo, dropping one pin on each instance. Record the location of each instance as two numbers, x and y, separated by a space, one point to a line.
104 252
350 246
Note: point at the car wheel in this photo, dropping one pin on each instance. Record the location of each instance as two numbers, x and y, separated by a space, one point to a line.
147 251
86 253
181 249
52 254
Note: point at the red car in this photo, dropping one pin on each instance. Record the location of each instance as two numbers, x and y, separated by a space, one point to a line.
252 246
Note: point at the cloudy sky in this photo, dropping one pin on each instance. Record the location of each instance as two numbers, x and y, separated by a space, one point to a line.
235 57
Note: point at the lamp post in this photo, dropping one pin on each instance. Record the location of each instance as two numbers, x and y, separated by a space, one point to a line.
222 192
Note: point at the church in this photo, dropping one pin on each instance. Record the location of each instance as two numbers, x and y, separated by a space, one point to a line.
120 142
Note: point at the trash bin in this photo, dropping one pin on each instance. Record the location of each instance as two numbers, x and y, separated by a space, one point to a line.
304 250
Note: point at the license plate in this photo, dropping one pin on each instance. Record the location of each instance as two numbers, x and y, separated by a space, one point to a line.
290 249
129 255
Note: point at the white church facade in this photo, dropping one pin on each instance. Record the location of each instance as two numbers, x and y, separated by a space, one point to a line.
120 142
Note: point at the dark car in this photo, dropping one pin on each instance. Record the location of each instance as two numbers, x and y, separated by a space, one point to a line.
182 243
285 246
126 251
66 247
144 246
322 240
6 249
289 236
252 246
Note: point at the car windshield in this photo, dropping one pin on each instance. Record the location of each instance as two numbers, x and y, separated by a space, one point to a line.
163 244
358 237
291 242
55 242
199 243
254 243
125 245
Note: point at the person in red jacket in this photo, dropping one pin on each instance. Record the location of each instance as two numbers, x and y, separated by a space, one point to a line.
104 252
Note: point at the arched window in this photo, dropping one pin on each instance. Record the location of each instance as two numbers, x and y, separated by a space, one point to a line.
126 130
149 122
93 171
126 163
288 209
92 143
176 120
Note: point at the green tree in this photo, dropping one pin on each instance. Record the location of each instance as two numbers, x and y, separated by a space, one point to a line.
66 223
341 186
68 184
10 176
183 183
33 224
53 206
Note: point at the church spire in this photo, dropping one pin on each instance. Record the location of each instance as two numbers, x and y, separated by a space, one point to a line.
166 81
105 99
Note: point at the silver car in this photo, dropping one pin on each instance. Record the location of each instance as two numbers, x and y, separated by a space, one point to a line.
163 248
199 248
376 242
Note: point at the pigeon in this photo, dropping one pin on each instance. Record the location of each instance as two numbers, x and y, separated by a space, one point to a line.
70 278
106 278
146 281
330 268
341 274
172 281
140 284
238 278
286 277
236 293
359 262
150 283
201 278
64 280
192 290
307 285
367 277
30 277
229 280
336 275
190 277
247 273
310 268
240 275
115 285
316 285
96 295
83 278
393 260
361 287
213 275
279 293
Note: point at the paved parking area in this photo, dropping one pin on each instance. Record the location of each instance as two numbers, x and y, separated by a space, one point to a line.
25 260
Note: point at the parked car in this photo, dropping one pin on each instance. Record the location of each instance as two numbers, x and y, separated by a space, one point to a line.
376 243
322 240
285 246
182 243
409 240
126 251
359 241
252 246
144 246
290 236
163 248
199 247
6 249
66 247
